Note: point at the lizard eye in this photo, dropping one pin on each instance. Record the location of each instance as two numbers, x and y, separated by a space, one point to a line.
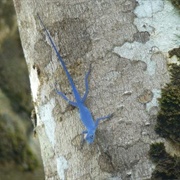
91 136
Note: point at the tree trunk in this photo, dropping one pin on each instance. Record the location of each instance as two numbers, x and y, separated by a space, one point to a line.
127 45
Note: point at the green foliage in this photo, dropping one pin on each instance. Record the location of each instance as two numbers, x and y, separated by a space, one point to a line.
14 146
13 69
176 3
6 13
14 76
15 126
168 119
168 125
167 167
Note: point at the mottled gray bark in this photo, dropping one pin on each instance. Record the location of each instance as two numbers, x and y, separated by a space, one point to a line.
126 43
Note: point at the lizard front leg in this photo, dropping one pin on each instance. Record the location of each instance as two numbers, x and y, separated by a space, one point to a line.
102 118
86 85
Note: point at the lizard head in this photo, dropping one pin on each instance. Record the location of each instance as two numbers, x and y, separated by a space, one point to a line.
90 137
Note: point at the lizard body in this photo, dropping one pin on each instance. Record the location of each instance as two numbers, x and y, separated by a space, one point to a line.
85 114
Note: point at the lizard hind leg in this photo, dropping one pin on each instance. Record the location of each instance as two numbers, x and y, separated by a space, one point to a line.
65 98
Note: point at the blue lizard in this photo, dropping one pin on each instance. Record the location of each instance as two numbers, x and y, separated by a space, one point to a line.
85 114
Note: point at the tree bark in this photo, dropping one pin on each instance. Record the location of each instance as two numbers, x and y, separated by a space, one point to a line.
127 44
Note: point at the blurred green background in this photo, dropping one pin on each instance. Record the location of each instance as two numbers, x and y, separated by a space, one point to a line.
19 151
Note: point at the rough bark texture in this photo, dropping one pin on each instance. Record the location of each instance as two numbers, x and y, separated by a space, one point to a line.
127 44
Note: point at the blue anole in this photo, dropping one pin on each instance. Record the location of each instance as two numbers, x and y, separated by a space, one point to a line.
85 114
